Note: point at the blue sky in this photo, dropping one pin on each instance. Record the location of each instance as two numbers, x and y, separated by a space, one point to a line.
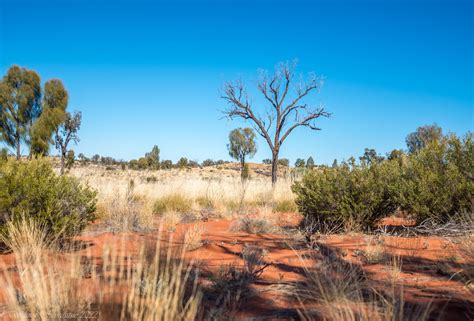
146 73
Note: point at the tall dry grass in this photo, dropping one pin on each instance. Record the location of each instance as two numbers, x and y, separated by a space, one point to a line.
342 292
185 190
154 284
26 238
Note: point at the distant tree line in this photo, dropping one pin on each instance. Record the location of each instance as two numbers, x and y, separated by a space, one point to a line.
150 161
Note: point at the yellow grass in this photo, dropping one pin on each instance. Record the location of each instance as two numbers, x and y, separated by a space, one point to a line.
27 239
116 286
180 190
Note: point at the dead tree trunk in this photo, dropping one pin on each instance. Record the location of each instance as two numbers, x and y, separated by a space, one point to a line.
274 168
18 147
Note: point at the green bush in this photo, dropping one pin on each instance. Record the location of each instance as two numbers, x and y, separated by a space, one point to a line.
435 183
438 180
31 189
347 196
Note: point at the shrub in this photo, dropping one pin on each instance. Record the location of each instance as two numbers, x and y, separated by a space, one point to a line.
60 204
193 238
151 179
438 180
347 196
285 162
435 183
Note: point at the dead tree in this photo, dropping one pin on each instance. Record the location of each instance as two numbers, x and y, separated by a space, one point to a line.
285 112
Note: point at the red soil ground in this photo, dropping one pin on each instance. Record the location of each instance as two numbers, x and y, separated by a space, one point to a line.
420 271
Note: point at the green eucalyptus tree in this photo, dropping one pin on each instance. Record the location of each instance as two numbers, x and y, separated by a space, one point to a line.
65 133
422 137
20 96
55 102
242 145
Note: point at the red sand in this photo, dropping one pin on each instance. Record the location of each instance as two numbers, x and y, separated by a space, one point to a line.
421 257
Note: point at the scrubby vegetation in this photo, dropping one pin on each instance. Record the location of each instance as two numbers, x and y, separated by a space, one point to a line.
158 286
239 229
434 183
31 190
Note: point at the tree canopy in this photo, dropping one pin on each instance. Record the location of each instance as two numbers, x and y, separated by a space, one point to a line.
20 95
242 144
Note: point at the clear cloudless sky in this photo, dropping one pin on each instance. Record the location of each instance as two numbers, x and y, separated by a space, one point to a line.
150 72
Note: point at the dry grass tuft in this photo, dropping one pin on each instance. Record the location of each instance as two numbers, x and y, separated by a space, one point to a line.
174 202
27 239
170 219
127 214
343 293
193 238
467 249
58 285
284 206
259 221
374 250
253 225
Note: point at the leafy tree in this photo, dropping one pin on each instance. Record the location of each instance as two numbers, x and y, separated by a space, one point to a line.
242 144
82 157
20 95
423 136
133 164
53 114
287 110
208 162
193 164
267 161
310 162
95 158
65 133
182 162
334 163
370 157
153 158
166 164
300 163
284 162
395 154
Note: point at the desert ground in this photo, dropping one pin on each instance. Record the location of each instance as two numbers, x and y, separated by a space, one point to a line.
229 251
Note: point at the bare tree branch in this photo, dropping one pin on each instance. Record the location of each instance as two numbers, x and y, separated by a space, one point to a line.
276 89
